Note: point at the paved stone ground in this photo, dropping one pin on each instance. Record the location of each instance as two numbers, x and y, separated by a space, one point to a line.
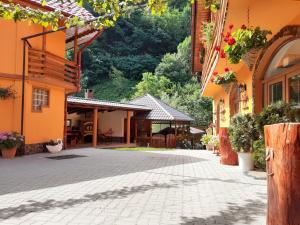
127 188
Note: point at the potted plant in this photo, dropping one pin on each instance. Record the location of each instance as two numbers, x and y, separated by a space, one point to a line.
243 133
215 142
206 141
212 5
208 30
54 146
226 79
9 142
244 44
6 93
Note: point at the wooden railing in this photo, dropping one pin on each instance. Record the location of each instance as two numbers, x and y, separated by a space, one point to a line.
45 65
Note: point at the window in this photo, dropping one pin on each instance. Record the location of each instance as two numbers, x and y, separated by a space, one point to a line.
40 98
275 92
282 78
294 89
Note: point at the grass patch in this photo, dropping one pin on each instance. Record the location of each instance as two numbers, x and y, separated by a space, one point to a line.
141 149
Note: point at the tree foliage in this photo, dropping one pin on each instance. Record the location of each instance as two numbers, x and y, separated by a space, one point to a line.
177 66
187 99
154 85
135 45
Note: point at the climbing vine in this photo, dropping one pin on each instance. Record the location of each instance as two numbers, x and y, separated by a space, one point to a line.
108 10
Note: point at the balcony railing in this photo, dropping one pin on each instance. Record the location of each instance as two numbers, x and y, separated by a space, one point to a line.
43 65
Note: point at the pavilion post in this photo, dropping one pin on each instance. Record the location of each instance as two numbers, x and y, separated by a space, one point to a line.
135 130
95 127
150 132
128 127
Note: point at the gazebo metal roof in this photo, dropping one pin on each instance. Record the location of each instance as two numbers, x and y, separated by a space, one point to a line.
160 110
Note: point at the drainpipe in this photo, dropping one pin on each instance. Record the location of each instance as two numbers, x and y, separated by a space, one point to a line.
23 86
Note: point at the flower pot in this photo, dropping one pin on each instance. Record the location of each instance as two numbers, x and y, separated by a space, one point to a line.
246 162
227 87
54 148
9 153
250 58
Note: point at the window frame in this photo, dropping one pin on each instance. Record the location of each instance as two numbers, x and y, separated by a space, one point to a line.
32 99
280 77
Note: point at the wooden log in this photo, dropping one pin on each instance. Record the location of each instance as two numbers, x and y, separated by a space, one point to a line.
228 156
283 169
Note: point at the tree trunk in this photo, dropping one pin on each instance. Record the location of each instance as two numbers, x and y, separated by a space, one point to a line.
283 169
228 156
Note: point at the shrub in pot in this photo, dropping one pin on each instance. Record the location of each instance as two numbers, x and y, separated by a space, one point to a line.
279 112
215 143
242 133
206 141
54 146
9 142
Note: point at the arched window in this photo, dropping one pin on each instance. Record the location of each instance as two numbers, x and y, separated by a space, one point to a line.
282 77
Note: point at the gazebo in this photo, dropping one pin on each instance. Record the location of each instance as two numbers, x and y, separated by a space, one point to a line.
160 127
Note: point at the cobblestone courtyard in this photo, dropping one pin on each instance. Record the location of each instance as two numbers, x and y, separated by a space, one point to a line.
127 188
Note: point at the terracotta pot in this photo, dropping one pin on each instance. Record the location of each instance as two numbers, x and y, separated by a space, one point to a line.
9 153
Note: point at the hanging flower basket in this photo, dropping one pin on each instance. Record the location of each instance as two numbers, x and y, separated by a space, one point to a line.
225 80
250 57
227 87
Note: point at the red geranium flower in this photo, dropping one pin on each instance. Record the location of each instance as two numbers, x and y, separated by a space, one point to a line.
226 69
226 39
243 27
231 41
212 80
228 34
217 48
221 78
230 26
215 73
222 54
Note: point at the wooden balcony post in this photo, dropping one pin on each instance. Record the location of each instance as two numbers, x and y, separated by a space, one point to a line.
95 127
128 127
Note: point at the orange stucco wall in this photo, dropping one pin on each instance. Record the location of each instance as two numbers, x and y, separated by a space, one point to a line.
268 14
42 126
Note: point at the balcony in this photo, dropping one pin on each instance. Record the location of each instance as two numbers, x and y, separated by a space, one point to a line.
46 67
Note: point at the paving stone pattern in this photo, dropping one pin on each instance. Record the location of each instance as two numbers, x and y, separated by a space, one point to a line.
178 187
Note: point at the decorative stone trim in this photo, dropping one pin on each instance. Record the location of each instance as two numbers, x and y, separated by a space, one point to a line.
35 148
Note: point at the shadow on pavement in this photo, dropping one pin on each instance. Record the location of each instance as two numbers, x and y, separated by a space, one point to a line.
37 172
234 214
36 206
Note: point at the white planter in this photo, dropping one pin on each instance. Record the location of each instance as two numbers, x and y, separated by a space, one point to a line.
246 162
55 148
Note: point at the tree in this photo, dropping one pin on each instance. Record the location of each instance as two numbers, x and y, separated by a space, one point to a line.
177 66
187 99
152 84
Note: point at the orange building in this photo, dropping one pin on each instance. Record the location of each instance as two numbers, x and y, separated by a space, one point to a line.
33 66
275 73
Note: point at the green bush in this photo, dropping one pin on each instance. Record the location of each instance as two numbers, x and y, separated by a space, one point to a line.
279 112
206 139
259 154
242 132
